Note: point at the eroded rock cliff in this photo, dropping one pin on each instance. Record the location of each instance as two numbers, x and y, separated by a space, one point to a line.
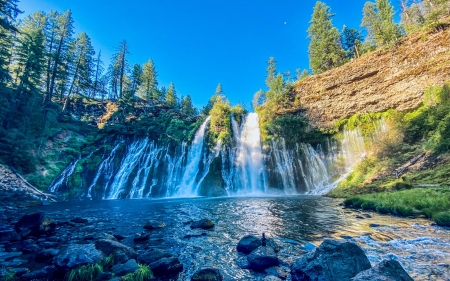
390 78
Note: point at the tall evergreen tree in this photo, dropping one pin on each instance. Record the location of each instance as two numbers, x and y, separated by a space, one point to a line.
325 50
187 107
378 19
351 41
96 88
8 13
148 88
171 99
136 77
118 69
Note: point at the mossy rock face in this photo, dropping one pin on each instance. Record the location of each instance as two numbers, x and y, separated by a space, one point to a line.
213 184
203 224
207 274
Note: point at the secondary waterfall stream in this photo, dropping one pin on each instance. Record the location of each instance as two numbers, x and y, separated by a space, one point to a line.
143 168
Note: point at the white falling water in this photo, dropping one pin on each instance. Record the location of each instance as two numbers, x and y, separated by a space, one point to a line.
285 166
63 178
248 167
187 186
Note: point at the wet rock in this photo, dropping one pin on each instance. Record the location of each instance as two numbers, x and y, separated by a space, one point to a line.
151 225
120 252
207 274
46 255
194 235
149 256
119 237
34 225
262 258
271 278
79 220
277 272
38 274
104 276
123 269
248 244
141 237
166 266
76 255
387 270
203 224
7 234
271 243
243 263
19 271
333 260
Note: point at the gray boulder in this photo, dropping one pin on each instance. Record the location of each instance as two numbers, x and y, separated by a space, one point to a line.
46 255
34 275
166 266
387 270
333 260
151 225
76 255
125 268
149 256
203 224
207 274
7 234
120 252
35 225
248 244
262 258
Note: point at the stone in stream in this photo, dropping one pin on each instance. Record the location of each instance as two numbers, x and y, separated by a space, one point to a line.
248 243
149 256
333 260
35 225
125 268
263 257
166 266
45 255
75 255
7 234
152 224
207 274
28 246
141 237
386 270
120 252
203 224
79 220
34 275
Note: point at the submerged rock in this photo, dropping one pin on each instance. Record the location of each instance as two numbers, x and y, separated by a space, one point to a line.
79 220
7 234
141 237
387 270
152 224
35 225
203 224
46 255
333 260
207 274
248 244
149 256
166 266
125 268
262 258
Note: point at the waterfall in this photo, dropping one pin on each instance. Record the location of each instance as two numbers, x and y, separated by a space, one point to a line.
63 178
247 160
187 187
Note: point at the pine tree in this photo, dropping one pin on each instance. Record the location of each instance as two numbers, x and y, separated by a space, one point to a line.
351 41
119 69
325 51
8 13
83 57
136 77
96 88
171 99
378 19
148 88
274 81
187 107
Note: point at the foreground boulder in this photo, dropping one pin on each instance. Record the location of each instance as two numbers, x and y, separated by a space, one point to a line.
387 270
35 225
262 258
333 260
120 252
152 255
7 234
203 224
76 255
151 225
166 267
207 274
248 244
125 268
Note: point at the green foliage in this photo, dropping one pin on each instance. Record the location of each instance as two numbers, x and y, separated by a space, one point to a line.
325 51
171 99
365 122
220 123
351 41
144 273
293 129
88 272
378 19
238 112
433 203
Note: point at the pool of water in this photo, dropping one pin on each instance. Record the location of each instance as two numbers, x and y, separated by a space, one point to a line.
296 223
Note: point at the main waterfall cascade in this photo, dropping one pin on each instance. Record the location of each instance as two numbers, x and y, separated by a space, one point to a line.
144 169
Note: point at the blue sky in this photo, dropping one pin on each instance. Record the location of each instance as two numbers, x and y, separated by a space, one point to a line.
200 43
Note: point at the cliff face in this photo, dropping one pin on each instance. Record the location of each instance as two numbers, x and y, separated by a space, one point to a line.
385 79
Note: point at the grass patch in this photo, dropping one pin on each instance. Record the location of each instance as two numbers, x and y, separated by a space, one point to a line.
90 272
142 274
433 203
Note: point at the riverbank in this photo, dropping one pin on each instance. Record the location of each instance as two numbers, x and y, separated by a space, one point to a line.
296 224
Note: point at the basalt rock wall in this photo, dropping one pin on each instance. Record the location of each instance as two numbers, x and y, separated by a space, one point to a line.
394 77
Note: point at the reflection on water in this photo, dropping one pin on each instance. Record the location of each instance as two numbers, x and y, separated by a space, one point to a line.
422 249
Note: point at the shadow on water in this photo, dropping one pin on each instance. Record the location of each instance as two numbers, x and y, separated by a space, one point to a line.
297 223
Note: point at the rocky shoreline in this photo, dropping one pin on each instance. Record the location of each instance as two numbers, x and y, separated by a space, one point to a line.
36 247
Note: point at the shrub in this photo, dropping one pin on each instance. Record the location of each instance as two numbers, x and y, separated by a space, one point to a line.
442 218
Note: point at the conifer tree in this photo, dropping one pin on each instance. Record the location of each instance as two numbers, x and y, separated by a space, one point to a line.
148 87
378 19
187 107
325 50
83 57
351 41
171 99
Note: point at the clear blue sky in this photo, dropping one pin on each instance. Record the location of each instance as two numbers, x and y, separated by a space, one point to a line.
200 43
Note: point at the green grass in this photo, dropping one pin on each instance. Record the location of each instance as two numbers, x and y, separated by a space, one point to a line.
142 274
433 203
90 272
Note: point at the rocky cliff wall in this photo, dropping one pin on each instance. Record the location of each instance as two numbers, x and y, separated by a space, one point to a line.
391 78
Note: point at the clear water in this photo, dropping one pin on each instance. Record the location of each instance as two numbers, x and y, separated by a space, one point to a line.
296 223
